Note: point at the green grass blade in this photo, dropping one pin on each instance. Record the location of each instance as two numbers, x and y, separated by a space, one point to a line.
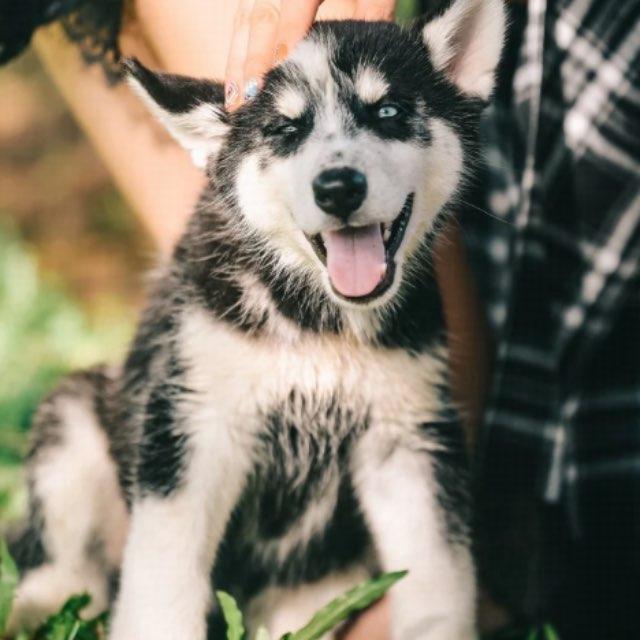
341 608
550 633
232 616
8 583
73 634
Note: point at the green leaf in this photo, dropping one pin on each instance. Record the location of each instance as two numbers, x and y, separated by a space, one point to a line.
75 604
262 634
8 583
68 625
341 608
550 633
232 616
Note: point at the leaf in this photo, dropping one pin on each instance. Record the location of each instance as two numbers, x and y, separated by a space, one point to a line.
8 583
550 633
68 625
342 607
262 634
232 616
75 604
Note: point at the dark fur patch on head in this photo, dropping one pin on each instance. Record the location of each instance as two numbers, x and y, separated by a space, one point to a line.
283 135
397 53
400 58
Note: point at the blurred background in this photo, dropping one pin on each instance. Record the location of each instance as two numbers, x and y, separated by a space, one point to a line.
72 259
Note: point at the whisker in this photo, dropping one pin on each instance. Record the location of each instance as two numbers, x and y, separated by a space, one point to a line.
488 213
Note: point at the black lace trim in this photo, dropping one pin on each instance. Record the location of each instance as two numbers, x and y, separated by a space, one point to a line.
94 25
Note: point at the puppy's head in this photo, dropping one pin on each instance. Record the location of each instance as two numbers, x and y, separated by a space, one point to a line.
353 146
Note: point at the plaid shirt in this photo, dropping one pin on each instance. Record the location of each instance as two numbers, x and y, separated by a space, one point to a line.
558 262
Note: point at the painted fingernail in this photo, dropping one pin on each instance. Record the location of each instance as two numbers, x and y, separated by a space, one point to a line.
251 89
281 52
231 93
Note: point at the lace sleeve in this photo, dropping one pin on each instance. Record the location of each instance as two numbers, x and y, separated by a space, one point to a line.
93 25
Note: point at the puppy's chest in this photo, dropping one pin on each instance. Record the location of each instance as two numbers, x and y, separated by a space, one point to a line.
300 408
319 385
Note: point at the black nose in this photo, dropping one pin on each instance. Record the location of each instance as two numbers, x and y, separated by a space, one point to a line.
340 191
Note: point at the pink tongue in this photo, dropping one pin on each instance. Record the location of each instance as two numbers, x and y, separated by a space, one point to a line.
355 259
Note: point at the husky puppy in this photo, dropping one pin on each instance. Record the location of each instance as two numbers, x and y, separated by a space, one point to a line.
282 426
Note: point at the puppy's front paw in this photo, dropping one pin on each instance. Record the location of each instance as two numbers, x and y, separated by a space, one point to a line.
158 627
44 590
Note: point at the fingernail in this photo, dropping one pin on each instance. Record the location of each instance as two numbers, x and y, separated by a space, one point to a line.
231 93
281 52
251 89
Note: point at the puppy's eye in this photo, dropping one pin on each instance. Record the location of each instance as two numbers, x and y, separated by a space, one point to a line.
387 111
289 128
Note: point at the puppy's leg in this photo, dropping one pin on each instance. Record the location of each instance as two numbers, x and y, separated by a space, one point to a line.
395 482
191 476
78 516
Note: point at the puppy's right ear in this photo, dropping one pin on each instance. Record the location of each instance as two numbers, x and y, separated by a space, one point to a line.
191 110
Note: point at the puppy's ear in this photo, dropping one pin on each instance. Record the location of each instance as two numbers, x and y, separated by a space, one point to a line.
190 109
465 42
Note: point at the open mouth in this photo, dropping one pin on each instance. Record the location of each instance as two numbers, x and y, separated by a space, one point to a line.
361 260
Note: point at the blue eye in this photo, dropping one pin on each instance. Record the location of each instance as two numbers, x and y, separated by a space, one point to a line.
388 111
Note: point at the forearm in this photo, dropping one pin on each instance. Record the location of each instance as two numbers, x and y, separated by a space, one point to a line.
468 334
154 174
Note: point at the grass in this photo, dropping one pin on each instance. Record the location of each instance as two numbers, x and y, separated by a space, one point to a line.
68 623
44 333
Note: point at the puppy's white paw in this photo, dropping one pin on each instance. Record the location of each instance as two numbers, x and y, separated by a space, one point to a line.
134 624
44 590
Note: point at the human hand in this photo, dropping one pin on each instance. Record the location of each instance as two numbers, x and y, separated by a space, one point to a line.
372 624
266 31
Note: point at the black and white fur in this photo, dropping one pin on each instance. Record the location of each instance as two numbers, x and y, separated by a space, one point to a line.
267 436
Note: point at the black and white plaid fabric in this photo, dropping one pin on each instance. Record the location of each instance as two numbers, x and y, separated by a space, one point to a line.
554 234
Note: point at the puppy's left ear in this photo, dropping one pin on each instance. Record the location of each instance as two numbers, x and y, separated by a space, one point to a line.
191 110
465 42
